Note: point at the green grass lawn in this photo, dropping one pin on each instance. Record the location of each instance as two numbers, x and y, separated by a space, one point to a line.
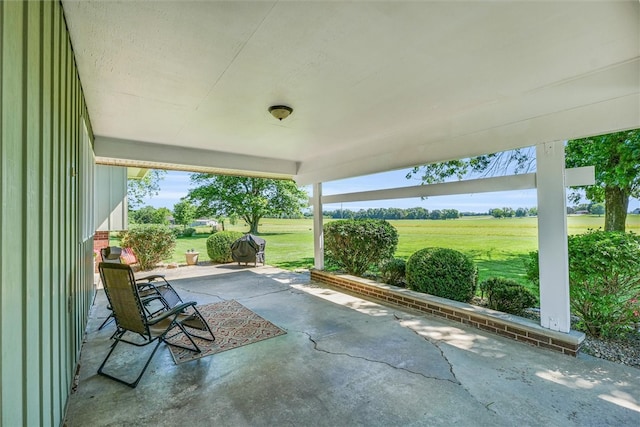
498 246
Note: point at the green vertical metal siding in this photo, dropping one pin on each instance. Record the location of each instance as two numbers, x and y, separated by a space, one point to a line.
46 261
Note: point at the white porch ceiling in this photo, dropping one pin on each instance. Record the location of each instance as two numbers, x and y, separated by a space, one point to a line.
375 86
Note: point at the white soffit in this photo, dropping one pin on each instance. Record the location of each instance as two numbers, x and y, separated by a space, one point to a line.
374 86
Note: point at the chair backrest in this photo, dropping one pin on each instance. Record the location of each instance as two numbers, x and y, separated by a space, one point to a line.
122 292
111 254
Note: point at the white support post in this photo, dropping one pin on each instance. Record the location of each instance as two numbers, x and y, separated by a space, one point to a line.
552 237
318 235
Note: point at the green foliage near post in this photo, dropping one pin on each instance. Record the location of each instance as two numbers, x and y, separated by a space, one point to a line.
442 272
151 243
248 198
393 271
507 295
219 245
357 244
604 280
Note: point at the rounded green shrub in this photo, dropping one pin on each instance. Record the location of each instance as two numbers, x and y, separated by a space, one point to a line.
219 245
604 280
357 244
507 295
442 272
150 242
188 232
392 271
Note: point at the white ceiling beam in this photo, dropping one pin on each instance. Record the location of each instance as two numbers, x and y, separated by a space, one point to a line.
574 177
144 154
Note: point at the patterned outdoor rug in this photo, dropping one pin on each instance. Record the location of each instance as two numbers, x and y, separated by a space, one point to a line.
233 325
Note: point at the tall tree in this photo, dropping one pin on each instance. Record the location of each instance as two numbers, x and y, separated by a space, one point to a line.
248 198
139 189
616 158
150 215
184 212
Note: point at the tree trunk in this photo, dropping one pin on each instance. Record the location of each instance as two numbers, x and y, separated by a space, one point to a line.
616 203
253 224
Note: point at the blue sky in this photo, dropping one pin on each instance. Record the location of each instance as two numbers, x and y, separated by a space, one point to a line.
176 185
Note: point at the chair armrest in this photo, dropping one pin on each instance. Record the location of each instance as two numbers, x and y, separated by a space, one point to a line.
149 298
173 312
150 277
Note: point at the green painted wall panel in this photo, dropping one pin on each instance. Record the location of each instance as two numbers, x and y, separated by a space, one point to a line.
46 264
11 273
32 209
46 348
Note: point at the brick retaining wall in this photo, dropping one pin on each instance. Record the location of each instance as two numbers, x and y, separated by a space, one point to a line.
506 325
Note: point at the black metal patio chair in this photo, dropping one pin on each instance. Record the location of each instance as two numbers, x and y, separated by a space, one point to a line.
146 285
132 318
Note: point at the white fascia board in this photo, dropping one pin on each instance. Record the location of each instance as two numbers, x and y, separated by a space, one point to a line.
148 153
573 177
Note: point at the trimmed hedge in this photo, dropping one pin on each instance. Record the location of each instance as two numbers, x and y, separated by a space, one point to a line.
442 272
150 242
355 245
392 271
507 295
188 232
219 245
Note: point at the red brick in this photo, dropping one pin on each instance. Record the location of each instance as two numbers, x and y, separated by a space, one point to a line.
565 344
539 337
527 340
506 334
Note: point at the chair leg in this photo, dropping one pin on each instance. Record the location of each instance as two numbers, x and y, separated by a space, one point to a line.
201 325
108 320
194 347
133 384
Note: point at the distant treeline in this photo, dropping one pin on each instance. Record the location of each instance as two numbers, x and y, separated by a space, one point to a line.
422 213
396 213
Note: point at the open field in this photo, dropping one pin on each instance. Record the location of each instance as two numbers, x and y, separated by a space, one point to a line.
498 246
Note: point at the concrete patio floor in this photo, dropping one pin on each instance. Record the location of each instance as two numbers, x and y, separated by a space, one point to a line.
347 361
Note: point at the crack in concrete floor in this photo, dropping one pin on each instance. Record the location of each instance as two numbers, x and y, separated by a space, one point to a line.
436 344
335 353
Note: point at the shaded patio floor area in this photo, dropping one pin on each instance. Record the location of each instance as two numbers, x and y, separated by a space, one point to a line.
346 361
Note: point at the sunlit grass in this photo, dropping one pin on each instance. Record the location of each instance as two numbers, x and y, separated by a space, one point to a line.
497 246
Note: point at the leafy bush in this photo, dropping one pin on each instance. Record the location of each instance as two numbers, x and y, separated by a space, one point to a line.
356 244
442 272
604 280
392 271
507 295
188 232
219 245
150 242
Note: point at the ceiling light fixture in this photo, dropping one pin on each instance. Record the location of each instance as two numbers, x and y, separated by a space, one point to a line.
280 111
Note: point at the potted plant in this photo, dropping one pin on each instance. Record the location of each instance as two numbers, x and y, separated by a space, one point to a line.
192 257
